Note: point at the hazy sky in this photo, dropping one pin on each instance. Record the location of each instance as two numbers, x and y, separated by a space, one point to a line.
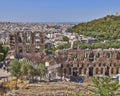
56 10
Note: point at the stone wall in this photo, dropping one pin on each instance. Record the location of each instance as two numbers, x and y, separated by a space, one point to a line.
29 45
92 62
74 62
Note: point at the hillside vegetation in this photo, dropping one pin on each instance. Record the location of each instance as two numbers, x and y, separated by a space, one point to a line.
106 28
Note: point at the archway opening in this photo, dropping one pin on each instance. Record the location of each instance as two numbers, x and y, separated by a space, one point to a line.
91 71
117 70
75 71
91 56
107 71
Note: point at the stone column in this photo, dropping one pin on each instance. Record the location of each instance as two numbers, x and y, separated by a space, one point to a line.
24 43
42 46
33 43
16 44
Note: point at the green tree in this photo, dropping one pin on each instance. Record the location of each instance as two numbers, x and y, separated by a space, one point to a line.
15 71
3 51
31 72
41 70
104 87
24 67
65 38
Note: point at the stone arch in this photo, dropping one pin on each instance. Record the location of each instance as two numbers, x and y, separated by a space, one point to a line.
117 70
118 56
28 49
101 71
108 55
28 37
99 64
107 71
20 37
91 56
80 70
97 55
90 72
75 71
20 49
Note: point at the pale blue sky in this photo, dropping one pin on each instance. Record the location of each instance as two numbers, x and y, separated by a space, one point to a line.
56 10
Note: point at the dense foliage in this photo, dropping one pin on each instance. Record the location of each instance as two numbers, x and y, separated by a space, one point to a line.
102 45
104 87
23 68
103 29
64 46
65 38
3 52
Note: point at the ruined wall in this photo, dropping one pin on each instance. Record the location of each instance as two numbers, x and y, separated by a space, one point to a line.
29 45
92 62
74 62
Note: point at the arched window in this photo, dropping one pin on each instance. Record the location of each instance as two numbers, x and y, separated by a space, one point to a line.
75 71
28 49
37 38
108 55
107 71
20 49
117 70
90 71
20 37
98 55
99 64
91 56
80 70
28 37
112 70
118 56
101 70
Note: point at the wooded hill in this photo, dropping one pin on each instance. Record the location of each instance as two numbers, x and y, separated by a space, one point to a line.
106 28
